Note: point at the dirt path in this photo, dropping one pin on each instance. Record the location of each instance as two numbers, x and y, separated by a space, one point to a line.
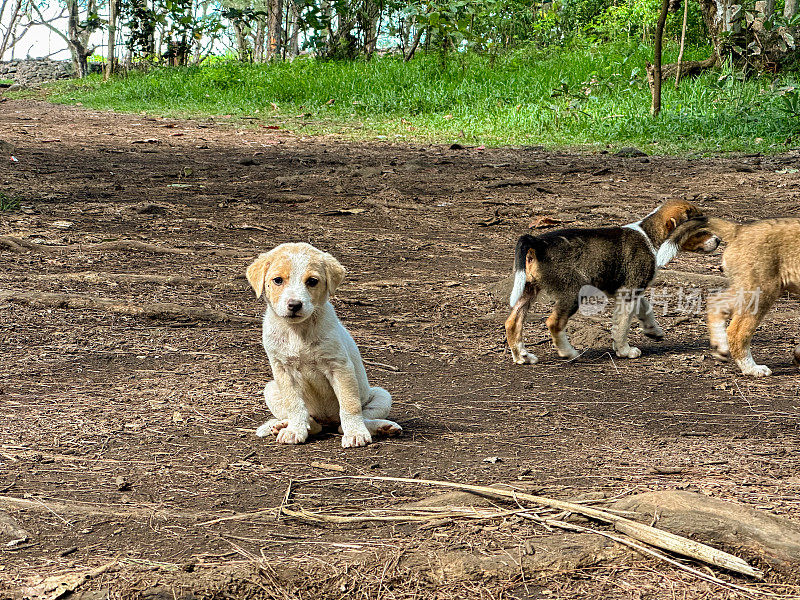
128 432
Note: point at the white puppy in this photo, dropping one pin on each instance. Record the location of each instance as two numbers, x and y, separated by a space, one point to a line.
319 375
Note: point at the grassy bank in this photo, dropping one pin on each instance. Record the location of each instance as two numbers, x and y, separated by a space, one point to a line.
582 96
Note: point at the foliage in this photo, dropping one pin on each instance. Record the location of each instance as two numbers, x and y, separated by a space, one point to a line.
8 203
637 19
589 95
178 23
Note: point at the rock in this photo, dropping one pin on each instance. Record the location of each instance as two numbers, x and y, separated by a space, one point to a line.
29 72
10 530
629 152
753 534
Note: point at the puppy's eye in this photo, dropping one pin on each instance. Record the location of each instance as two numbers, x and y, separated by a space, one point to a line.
312 281
277 280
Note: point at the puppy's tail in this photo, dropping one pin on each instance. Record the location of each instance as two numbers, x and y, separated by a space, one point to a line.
725 230
524 243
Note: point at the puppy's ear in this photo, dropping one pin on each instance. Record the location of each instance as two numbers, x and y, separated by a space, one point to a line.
257 273
671 224
334 271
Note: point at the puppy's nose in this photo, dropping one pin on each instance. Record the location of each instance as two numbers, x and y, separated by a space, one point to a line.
294 306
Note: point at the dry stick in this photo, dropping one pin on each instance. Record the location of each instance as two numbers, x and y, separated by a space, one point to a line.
340 519
651 552
52 511
683 41
140 511
136 246
155 310
645 533
286 497
99 277
15 244
380 365
238 516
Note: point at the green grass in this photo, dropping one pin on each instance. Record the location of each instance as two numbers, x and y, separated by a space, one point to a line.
8 203
6 81
591 96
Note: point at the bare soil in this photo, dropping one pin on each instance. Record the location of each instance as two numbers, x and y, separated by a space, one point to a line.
128 432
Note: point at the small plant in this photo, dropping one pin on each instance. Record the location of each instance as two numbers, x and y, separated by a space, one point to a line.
8 202
790 96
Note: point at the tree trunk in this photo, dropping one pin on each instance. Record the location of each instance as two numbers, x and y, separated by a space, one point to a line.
242 47
274 15
790 9
78 37
749 41
656 84
112 34
369 18
417 37
294 38
258 40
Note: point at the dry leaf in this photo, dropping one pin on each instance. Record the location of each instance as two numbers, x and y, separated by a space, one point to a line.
544 222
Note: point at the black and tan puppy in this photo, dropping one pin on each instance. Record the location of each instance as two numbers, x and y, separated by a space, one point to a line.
762 261
618 261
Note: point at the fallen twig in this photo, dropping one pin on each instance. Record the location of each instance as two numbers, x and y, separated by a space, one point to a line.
645 533
155 310
105 277
427 514
645 550
15 244
380 365
133 245
140 511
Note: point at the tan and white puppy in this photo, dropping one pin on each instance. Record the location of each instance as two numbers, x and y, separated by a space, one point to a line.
762 261
319 377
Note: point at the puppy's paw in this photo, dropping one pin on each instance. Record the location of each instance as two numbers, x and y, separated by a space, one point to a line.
569 353
721 354
654 333
271 427
390 429
268 428
357 438
525 358
288 435
629 352
757 370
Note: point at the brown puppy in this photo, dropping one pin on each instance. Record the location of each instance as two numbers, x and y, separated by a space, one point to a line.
762 261
616 261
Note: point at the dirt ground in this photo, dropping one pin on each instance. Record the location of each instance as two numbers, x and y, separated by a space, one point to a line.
127 437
